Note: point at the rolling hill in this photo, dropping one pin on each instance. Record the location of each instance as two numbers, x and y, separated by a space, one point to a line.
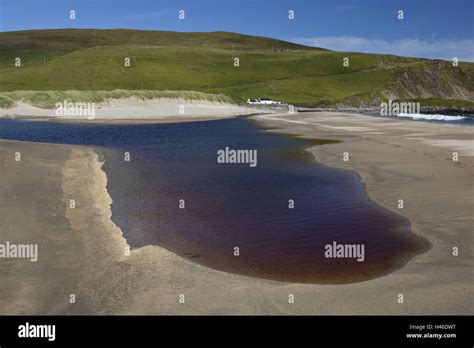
93 60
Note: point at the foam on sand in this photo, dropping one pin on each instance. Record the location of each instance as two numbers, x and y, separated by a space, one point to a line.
434 117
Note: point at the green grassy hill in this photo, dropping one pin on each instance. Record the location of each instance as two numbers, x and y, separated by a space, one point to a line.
73 59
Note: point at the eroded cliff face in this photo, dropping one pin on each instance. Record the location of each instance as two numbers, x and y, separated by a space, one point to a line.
426 80
433 79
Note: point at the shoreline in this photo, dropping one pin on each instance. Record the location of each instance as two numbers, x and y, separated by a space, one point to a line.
361 174
410 228
133 110
324 156
150 279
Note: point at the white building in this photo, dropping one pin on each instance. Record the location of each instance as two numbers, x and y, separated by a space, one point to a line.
263 101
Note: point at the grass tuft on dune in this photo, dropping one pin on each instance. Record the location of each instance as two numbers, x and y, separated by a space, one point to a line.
6 101
48 99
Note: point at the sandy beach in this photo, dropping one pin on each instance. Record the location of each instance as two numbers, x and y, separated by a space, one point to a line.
129 110
82 252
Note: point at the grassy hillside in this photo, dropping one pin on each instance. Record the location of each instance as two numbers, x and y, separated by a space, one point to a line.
93 60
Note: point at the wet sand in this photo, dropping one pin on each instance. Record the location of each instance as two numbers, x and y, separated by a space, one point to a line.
82 252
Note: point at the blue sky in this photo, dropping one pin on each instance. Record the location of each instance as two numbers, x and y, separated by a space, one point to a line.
430 28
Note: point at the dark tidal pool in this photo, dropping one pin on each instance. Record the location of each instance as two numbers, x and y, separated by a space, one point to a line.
230 206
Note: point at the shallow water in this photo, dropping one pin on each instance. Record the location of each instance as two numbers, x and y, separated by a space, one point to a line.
235 205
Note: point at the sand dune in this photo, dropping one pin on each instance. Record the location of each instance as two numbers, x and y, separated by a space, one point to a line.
133 109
